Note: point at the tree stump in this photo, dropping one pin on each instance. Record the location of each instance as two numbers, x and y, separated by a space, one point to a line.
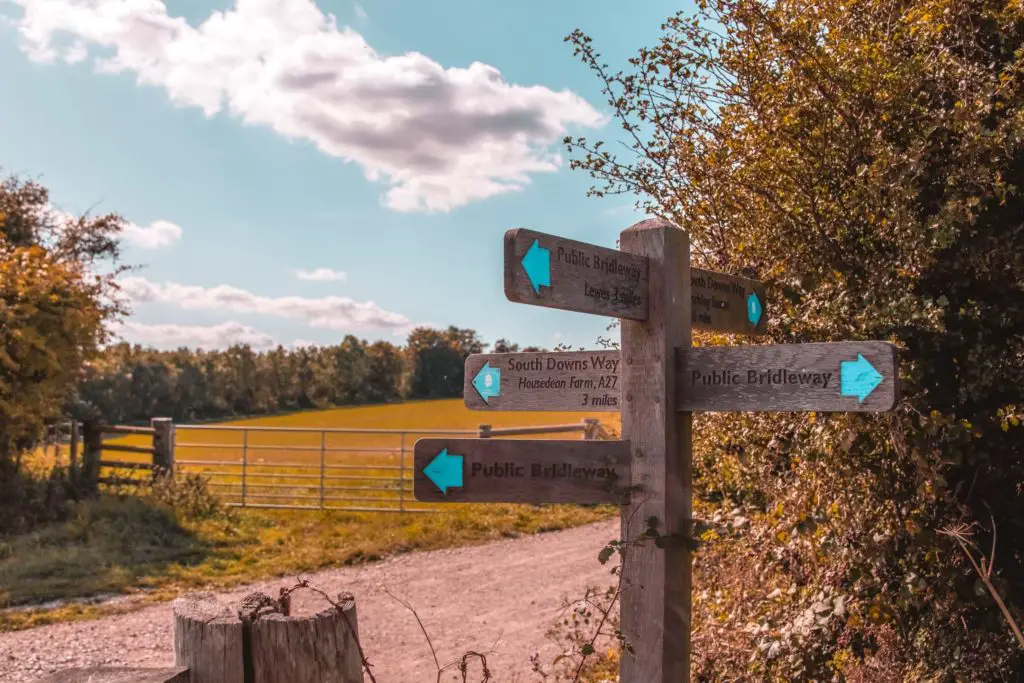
208 639
257 642
322 647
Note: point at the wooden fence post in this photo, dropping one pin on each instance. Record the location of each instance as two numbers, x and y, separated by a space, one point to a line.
208 639
73 448
163 445
92 447
259 643
655 607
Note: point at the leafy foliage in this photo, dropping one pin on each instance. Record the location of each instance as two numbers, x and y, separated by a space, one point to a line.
865 160
52 308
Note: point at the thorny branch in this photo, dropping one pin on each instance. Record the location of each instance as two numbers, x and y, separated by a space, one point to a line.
340 608
614 593
983 566
462 663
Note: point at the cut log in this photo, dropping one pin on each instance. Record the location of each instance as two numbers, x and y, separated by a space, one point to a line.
257 642
208 639
321 648
104 674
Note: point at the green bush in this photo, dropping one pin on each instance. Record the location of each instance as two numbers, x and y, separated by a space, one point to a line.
188 495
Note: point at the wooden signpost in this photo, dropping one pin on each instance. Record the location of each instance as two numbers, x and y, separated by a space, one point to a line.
656 381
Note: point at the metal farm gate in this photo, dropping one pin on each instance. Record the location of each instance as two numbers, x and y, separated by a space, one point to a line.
363 470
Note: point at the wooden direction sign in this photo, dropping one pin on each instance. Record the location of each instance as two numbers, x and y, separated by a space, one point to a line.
544 270
826 377
726 303
537 471
550 271
564 381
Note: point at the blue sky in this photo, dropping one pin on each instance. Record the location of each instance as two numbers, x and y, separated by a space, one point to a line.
292 180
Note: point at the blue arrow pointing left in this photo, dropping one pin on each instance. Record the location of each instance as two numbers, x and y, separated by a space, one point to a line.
537 264
445 470
488 382
858 378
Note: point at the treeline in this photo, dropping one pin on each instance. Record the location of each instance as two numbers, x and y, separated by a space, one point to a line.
130 383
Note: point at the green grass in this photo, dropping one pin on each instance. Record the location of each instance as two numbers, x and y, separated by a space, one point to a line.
135 546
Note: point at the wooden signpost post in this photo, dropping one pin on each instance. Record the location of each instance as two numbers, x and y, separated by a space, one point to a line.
656 381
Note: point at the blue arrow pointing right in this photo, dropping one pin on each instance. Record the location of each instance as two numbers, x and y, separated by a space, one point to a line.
537 264
858 378
445 470
754 309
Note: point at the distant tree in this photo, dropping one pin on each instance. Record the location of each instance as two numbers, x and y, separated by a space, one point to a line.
305 376
127 383
351 371
384 378
435 361
865 159
503 346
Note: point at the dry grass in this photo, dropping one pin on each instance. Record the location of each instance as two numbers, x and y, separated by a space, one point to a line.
126 545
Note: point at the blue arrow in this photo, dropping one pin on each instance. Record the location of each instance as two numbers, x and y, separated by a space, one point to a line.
445 470
754 309
537 264
858 378
488 382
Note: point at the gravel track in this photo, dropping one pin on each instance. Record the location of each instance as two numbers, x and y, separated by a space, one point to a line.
506 594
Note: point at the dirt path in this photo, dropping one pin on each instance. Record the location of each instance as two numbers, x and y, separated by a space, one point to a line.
507 592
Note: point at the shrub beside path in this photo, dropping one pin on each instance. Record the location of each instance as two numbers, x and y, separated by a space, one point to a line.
506 594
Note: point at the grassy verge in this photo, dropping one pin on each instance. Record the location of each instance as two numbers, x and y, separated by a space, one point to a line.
137 547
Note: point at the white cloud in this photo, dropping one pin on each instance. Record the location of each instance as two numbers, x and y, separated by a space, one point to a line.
438 137
331 312
360 11
193 336
303 344
155 235
320 275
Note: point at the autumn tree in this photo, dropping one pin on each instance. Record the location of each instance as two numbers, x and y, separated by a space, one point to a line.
54 304
864 158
